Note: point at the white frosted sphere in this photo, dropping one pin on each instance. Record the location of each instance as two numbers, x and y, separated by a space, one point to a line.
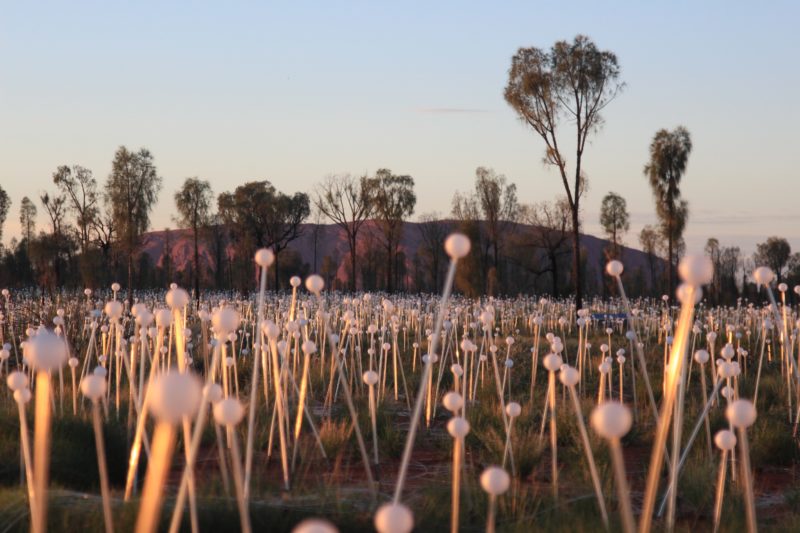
114 309
712 336
115 287
370 377
163 317
725 439
552 362
604 367
212 392
458 427
17 380
295 281
457 245
513 409
174 395
394 518
228 412
315 283
457 370
177 298
741 413
763 275
611 420
621 359
495 480
783 287
100 371
696 270
682 293
309 347
614 268
264 257
4 354
604 347
314 525
701 356
22 395
47 351
225 320
271 329
569 376
727 392
728 351
93 387
453 401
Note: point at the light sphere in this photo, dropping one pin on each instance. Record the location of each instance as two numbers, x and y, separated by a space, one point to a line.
264 257
17 380
177 298
569 376
614 268
115 287
93 387
513 409
314 525
495 481
458 427
741 413
174 395
394 518
456 369
696 270
113 309
212 392
295 281
22 396
701 356
611 420
100 371
315 283
457 245
552 362
47 351
725 439
682 293
783 287
763 275
453 401
370 377
228 412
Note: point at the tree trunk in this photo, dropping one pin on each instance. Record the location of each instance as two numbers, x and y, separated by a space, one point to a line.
353 253
276 271
576 258
670 274
196 268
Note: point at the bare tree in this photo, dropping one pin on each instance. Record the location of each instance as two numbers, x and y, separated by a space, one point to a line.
549 235
569 84
775 253
433 231
27 220
348 202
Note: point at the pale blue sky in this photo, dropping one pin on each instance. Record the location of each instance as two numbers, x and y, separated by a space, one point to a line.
292 91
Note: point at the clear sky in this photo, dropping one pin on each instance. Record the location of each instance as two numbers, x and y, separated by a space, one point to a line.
292 91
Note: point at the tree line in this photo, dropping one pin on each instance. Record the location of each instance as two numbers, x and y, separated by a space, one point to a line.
94 233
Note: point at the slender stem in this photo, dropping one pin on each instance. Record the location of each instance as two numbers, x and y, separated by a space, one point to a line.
105 492
155 479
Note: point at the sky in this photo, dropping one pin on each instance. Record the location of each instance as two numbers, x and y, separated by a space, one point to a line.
293 91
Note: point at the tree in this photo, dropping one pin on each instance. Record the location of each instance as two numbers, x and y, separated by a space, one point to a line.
193 201
550 235
648 240
499 208
348 201
80 189
669 156
774 253
56 244
615 219
27 220
394 201
132 190
5 204
261 216
714 252
433 232
569 84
